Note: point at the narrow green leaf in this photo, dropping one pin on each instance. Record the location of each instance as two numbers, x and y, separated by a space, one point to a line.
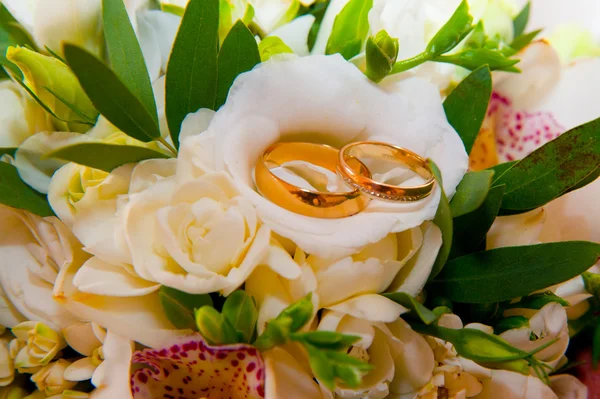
520 42
500 169
473 59
318 11
105 156
402 298
467 105
470 230
510 323
588 180
16 194
191 81
8 151
179 306
272 45
125 54
15 33
326 339
520 21
453 32
88 119
553 169
110 96
240 310
239 54
350 29
505 273
320 366
471 192
537 301
443 220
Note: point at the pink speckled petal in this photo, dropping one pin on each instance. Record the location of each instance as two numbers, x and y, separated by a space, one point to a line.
192 369
519 133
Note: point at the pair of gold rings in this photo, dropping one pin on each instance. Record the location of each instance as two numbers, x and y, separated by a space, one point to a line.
346 163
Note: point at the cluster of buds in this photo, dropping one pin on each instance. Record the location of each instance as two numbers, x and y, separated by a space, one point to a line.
35 346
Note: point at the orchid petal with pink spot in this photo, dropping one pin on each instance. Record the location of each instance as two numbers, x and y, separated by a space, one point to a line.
191 369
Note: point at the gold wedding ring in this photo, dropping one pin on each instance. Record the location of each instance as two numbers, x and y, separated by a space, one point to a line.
319 204
354 177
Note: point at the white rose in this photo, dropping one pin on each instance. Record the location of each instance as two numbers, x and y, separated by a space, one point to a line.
32 251
20 115
331 99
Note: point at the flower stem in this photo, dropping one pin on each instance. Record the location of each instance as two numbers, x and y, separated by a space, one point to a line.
168 146
410 63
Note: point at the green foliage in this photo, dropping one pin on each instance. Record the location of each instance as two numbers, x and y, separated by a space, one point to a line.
270 46
475 58
381 53
416 308
537 301
179 306
104 156
510 323
505 273
466 106
240 311
443 220
350 29
552 170
214 327
520 21
471 193
239 54
522 41
110 96
191 81
126 55
16 194
453 32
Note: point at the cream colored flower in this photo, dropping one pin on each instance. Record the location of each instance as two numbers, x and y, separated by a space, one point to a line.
337 106
7 368
39 346
33 250
20 115
87 339
50 379
13 392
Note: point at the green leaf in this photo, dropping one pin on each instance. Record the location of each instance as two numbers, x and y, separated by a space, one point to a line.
350 29
550 171
16 194
500 169
510 323
471 192
467 105
125 54
520 21
8 151
443 220
191 81
179 306
110 96
326 339
418 309
381 53
537 301
505 273
453 32
290 320
239 54
318 11
520 42
475 58
240 310
272 45
12 32
329 366
215 328
104 156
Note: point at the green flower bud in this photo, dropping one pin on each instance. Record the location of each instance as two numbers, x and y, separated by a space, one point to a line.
214 327
382 53
240 310
38 343
44 76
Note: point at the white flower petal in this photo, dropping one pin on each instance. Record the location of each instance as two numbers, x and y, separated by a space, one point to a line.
510 385
81 337
334 8
102 278
23 11
80 370
516 230
375 308
566 386
112 377
295 34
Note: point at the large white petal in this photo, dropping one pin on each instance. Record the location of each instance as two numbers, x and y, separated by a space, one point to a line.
550 14
372 307
510 385
23 11
332 99
112 377
566 386
516 230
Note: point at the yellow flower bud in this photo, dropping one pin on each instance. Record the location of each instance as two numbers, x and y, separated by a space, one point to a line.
50 379
13 392
45 75
40 344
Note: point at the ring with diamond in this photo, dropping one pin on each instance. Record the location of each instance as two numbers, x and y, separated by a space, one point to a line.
384 152
319 204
